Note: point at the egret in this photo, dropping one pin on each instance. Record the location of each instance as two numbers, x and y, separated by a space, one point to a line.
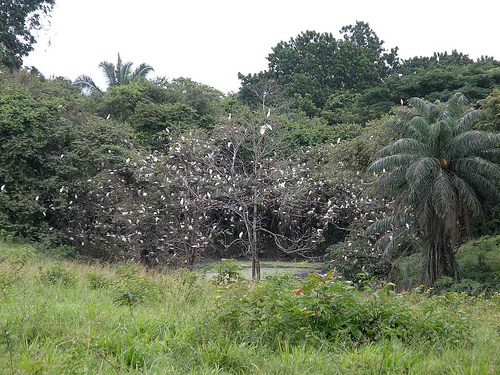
269 112
229 117
108 116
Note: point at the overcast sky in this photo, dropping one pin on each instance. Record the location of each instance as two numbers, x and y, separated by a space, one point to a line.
210 41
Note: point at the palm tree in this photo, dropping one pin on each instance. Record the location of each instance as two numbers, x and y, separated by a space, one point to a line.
440 174
121 74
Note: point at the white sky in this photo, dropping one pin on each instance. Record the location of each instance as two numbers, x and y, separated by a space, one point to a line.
210 41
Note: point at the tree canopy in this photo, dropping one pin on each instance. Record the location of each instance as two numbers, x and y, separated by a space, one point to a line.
20 19
116 75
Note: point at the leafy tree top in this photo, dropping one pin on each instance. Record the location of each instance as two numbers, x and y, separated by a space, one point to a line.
116 75
19 19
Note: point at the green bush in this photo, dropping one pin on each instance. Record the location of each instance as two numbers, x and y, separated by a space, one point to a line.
131 288
58 275
479 260
335 311
96 280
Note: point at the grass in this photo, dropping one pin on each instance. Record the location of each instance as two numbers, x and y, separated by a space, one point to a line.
49 325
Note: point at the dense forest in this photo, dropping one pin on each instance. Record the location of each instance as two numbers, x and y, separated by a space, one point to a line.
340 151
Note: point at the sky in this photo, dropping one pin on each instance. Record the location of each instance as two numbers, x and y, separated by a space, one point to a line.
210 41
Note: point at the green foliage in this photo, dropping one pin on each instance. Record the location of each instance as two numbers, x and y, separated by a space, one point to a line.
228 272
479 261
118 75
436 78
315 64
328 309
57 274
80 330
131 288
97 280
20 19
491 106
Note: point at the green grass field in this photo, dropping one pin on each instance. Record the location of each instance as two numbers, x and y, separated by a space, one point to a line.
59 317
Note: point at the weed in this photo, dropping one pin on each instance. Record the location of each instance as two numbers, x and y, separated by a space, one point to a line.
228 272
58 275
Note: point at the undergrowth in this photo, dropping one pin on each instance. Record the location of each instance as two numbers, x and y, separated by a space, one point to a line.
59 317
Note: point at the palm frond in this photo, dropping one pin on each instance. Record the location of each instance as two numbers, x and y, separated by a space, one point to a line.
488 190
403 128
466 144
141 72
423 107
391 162
381 226
467 121
421 168
422 128
418 191
478 165
490 155
391 182
409 146
442 193
86 84
109 72
454 106
124 74
466 195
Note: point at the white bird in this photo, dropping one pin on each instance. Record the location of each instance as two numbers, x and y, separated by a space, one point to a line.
37 198
402 103
108 116
229 117
263 130
241 235
338 141
3 187
269 112
269 126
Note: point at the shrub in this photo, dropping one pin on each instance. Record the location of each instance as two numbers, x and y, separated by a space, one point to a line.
96 280
479 260
228 272
332 310
131 288
58 275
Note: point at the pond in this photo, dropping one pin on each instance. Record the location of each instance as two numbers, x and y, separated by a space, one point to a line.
267 268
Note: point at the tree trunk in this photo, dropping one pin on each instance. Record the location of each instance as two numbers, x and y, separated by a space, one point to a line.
254 248
438 258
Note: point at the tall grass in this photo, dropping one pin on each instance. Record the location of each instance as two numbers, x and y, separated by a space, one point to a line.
59 317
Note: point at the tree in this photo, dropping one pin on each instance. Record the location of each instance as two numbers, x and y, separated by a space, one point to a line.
363 36
118 75
19 20
440 173
319 65
262 192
